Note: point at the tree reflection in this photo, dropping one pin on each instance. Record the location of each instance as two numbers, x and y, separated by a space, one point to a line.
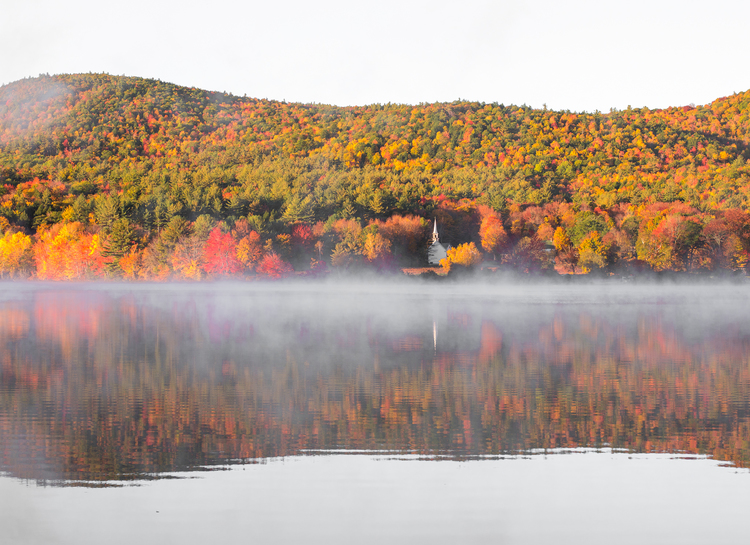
98 386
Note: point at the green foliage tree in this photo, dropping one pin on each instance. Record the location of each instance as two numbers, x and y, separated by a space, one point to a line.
120 238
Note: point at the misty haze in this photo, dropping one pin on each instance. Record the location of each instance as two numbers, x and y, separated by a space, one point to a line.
107 385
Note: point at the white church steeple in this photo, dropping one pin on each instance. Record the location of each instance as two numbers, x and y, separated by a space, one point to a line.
436 251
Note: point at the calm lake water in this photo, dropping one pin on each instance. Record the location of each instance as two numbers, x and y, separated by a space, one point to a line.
409 413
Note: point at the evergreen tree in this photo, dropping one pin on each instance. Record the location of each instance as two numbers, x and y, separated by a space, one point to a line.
120 239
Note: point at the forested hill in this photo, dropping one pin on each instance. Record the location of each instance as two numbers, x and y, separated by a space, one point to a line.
92 150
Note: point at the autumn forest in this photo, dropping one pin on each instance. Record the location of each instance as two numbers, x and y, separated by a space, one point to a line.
105 177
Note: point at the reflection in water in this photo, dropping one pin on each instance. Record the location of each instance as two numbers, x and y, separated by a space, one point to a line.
103 383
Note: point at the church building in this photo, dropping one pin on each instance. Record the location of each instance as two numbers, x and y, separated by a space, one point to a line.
436 251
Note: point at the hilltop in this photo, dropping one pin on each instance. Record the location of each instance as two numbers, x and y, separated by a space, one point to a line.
102 154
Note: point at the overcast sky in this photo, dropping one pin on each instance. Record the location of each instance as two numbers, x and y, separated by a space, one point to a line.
573 54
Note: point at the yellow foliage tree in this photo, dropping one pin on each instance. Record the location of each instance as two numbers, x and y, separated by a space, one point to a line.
187 259
15 255
592 253
560 240
376 247
734 253
466 255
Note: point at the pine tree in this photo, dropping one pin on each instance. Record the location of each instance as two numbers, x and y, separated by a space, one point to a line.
119 241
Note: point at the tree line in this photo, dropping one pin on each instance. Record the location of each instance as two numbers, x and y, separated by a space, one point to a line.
116 177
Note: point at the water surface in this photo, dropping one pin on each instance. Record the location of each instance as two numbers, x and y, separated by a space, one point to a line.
105 385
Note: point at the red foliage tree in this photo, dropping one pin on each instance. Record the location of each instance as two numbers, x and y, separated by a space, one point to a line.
302 235
219 254
273 266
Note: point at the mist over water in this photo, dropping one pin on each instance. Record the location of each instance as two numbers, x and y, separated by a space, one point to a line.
103 383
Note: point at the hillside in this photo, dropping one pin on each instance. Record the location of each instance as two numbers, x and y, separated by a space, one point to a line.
128 162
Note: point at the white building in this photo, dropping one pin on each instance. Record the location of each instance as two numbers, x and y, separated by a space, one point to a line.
436 251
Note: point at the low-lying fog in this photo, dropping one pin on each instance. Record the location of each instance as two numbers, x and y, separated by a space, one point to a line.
111 381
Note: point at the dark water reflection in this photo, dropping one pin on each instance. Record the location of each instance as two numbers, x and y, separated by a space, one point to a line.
101 383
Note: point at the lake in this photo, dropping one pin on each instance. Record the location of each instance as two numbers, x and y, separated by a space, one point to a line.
336 412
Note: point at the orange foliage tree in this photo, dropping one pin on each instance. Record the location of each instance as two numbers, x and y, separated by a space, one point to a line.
131 264
407 235
492 234
250 249
67 252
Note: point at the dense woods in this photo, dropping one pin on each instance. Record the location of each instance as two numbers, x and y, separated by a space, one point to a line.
118 177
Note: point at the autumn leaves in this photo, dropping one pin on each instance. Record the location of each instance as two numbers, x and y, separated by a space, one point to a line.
128 178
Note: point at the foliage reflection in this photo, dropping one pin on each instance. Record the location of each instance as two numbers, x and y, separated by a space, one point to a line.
106 385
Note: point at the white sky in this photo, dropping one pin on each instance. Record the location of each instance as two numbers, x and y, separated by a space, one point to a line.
571 54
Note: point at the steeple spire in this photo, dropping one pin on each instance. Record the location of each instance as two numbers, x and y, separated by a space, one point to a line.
436 251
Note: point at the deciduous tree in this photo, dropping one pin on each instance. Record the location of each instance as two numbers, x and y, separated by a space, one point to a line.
220 254
493 235
272 266
15 255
